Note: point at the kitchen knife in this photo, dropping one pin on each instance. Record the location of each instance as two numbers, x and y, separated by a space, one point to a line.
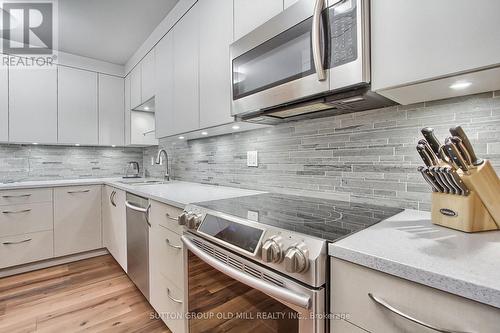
462 149
438 179
458 181
449 181
433 141
430 152
424 155
455 155
458 131
429 179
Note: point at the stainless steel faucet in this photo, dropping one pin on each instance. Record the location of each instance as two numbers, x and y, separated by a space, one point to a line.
158 161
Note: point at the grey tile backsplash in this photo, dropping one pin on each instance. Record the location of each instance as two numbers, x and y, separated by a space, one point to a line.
365 157
30 162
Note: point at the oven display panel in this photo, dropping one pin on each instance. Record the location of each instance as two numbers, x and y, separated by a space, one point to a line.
240 235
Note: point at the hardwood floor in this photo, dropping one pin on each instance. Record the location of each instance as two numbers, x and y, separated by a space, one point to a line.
92 295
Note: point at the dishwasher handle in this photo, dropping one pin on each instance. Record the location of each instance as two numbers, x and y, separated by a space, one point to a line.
140 210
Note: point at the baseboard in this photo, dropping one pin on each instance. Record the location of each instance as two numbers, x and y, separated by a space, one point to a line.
51 262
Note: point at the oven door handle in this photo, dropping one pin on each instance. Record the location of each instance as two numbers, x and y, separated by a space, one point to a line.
298 299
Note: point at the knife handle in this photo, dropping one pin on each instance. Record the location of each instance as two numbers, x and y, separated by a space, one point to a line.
433 141
457 157
430 152
462 149
424 155
459 131
429 179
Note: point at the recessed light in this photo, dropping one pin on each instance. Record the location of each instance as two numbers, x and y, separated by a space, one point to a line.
77 144
236 127
35 143
204 133
113 146
146 108
181 138
460 85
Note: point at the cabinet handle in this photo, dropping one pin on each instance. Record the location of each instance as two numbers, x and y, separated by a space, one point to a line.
173 299
171 218
17 211
177 247
81 191
16 196
316 42
19 242
389 307
112 198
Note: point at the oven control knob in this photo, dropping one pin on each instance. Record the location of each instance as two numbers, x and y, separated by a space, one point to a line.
296 261
271 250
183 218
193 221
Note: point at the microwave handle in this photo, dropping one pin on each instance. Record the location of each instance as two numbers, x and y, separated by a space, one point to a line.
292 297
316 40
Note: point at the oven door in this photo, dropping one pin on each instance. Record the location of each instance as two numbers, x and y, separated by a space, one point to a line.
278 62
227 293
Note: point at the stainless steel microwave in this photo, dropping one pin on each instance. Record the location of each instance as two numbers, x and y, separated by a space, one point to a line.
312 57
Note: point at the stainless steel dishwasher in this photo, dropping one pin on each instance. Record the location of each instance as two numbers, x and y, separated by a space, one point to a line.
138 242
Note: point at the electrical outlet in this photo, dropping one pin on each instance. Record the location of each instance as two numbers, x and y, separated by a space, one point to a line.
252 159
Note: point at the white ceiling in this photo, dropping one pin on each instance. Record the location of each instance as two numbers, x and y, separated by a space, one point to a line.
108 30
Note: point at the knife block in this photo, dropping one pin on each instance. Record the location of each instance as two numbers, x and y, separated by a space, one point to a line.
464 213
484 181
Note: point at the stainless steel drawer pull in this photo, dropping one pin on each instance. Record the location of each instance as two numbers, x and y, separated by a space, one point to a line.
171 218
81 191
16 196
19 242
173 299
17 211
389 307
177 247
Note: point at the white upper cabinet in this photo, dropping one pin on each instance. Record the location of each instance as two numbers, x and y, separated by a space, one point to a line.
420 48
4 102
164 99
186 55
33 105
249 14
148 76
215 36
111 110
77 103
135 87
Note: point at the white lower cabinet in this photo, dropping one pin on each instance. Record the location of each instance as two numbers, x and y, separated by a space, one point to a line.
166 260
352 283
77 219
26 248
114 225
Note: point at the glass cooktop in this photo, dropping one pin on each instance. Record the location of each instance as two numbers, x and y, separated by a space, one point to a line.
322 218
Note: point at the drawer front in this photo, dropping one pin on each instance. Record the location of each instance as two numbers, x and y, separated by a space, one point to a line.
15 197
342 326
168 301
23 249
352 283
166 216
169 256
28 218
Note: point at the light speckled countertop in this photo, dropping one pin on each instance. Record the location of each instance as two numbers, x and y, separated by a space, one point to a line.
175 193
409 246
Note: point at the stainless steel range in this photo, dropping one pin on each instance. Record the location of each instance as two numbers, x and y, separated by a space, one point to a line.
261 260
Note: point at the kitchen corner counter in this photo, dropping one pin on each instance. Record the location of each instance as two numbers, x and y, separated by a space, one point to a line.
409 246
174 193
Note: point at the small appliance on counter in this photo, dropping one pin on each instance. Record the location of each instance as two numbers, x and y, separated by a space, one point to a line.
465 187
132 170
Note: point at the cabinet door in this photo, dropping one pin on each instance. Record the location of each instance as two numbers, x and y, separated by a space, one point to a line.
215 74
33 105
77 102
164 99
135 87
148 76
114 224
186 54
4 101
248 15
127 110
111 110
77 219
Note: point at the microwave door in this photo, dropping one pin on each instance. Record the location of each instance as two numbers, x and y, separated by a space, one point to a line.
285 67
